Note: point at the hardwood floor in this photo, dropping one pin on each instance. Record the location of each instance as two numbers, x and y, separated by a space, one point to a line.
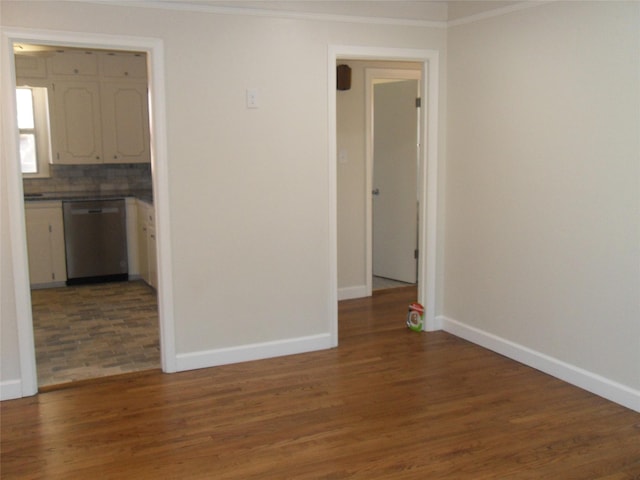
388 403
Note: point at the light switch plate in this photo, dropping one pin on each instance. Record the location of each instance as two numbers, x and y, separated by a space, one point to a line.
252 98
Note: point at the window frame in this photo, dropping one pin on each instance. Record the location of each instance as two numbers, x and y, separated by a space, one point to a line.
40 130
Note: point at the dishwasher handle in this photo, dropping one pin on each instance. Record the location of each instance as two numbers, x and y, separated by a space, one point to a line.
93 211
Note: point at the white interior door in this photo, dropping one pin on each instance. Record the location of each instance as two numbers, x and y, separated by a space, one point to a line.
395 169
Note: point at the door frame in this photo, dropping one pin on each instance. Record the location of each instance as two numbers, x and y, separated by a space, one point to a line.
154 48
427 171
372 74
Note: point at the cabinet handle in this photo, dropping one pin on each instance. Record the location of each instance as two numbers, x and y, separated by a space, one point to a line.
115 157
97 157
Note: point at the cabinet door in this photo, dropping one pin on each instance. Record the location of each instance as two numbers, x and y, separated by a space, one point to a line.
30 66
74 63
125 122
124 66
151 255
143 260
132 236
45 244
76 125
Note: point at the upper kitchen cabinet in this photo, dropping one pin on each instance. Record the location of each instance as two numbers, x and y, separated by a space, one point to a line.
72 63
76 123
125 122
123 65
98 104
30 66
106 122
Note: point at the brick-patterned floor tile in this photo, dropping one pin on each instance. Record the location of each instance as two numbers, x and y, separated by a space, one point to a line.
90 331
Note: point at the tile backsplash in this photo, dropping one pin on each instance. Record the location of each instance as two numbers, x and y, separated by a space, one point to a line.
93 178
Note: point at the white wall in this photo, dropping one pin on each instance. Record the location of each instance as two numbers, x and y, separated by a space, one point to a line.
248 189
543 195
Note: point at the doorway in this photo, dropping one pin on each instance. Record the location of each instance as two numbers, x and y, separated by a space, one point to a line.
427 178
91 316
153 48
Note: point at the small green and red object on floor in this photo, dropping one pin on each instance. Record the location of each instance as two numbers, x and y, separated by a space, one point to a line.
415 317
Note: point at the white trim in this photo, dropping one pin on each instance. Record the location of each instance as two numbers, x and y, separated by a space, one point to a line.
15 206
428 234
155 49
332 188
358 291
263 12
497 12
322 17
428 174
372 74
572 374
10 390
256 351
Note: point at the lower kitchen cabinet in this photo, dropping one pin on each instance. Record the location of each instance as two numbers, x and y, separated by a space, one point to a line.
46 247
151 257
147 244
45 243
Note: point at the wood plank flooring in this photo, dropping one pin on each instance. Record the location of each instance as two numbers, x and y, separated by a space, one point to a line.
388 403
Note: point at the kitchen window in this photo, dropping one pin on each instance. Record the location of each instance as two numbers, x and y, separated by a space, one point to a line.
33 123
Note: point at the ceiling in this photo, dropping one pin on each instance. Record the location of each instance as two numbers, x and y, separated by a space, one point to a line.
420 10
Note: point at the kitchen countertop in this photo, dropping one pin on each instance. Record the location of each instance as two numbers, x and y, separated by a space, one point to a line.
144 195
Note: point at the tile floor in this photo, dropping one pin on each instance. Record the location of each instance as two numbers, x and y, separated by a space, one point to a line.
91 331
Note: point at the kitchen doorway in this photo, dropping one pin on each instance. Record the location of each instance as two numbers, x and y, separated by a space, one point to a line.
93 307
153 49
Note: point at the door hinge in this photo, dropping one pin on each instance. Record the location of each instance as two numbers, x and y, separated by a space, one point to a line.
416 253
418 102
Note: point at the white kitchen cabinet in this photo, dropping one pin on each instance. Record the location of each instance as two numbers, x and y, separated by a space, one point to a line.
131 204
96 123
45 243
125 122
74 63
123 65
30 66
98 107
147 258
76 123
152 256
143 262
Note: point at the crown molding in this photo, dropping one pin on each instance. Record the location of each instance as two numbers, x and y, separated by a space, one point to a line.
262 12
498 12
177 5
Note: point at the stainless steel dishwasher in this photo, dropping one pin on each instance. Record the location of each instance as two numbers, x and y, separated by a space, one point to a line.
95 233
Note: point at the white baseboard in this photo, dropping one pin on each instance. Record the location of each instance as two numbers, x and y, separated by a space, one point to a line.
256 351
10 389
579 377
348 293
